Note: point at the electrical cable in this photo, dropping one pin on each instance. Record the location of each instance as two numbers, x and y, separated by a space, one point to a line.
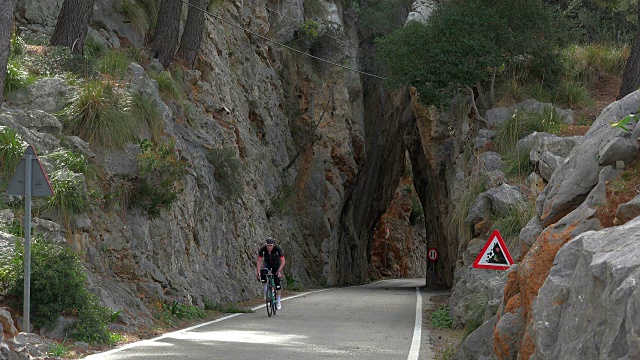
281 44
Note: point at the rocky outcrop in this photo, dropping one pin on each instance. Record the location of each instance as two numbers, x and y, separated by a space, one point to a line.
574 179
589 305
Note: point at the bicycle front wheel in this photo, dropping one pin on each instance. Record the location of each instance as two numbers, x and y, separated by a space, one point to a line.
269 301
274 306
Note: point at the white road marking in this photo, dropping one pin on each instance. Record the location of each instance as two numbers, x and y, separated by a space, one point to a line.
173 334
417 330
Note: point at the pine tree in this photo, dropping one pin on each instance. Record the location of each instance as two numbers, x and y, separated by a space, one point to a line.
6 23
165 39
631 74
73 24
193 32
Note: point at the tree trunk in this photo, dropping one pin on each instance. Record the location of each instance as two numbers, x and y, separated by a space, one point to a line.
165 39
6 23
631 75
193 32
73 24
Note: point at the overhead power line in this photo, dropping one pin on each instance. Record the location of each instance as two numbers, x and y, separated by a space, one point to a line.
281 44
298 22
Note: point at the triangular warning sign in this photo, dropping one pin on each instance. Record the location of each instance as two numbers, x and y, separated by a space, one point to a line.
494 254
40 185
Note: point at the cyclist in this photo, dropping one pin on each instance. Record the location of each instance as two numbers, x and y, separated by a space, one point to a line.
273 257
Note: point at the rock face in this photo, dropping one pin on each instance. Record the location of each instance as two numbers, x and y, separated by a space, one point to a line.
312 142
589 306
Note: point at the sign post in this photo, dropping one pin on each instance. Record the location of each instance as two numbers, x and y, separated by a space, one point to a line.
29 180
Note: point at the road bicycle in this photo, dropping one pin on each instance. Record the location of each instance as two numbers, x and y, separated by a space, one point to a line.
270 299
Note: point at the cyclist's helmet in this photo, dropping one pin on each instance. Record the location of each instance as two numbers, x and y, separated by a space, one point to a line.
270 241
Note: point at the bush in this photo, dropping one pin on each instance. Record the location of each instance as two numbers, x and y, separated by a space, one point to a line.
160 169
69 160
57 288
69 198
441 318
98 113
16 77
11 151
167 85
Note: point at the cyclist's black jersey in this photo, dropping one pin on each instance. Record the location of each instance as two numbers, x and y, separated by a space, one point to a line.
272 260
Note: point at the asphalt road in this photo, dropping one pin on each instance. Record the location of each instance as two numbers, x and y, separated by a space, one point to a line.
376 321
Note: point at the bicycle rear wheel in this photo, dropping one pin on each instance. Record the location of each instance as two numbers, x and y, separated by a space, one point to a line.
273 304
269 301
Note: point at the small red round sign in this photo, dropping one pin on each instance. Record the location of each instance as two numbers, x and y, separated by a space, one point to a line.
432 254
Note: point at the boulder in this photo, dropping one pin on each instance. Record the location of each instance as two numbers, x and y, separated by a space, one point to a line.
628 210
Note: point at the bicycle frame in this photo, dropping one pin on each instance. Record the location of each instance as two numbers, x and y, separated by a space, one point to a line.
271 302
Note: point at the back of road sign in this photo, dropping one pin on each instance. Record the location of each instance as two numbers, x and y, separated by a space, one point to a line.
40 185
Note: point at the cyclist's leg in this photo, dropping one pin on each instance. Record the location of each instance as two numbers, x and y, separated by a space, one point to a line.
276 279
263 279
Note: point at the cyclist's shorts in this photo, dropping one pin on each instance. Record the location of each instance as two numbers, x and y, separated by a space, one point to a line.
263 277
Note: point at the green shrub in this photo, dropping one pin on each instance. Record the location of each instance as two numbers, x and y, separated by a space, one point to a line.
114 62
513 221
474 313
16 77
416 210
571 94
93 49
160 171
518 164
18 47
293 284
167 85
441 318
465 196
143 110
227 171
141 13
69 160
310 29
588 63
57 288
176 310
99 114
69 198
11 151
523 123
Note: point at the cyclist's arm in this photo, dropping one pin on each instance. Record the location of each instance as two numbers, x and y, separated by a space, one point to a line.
258 264
282 262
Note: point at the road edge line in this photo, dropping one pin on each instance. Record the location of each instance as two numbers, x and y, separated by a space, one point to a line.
147 341
414 352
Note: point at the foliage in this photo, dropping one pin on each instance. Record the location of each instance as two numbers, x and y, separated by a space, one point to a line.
167 84
599 21
588 63
160 171
143 109
224 308
468 190
625 122
98 113
57 349
474 313
441 318
513 221
57 288
69 160
114 62
310 29
227 171
93 49
69 197
11 150
448 354
17 47
465 40
518 164
380 18
53 61
177 311
293 284
416 210
523 123
16 77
